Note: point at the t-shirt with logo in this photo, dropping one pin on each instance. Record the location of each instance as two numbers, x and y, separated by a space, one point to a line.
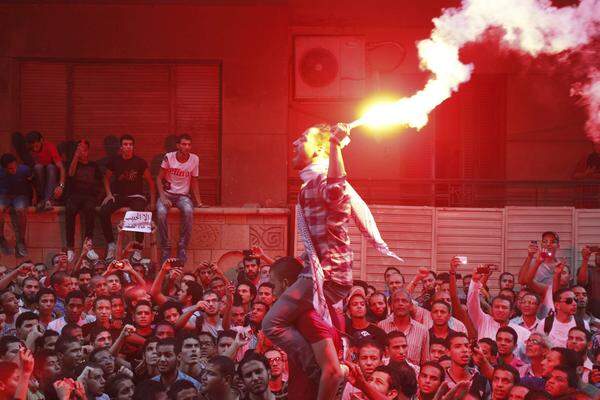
128 175
179 175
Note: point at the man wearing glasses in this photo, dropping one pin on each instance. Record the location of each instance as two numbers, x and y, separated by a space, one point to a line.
557 326
277 385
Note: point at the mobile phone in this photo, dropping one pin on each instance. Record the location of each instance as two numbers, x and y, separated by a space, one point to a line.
137 246
463 259
177 264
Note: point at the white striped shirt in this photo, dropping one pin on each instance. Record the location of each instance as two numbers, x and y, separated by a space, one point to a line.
417 338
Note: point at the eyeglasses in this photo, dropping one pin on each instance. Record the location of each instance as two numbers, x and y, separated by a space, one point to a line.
569 300
529 302
275 360
533 341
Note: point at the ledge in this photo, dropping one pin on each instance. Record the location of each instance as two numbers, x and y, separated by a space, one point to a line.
197 210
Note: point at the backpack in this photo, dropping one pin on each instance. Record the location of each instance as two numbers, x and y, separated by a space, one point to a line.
549 321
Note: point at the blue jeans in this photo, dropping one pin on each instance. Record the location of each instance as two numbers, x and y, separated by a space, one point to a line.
45 180
19 219
186 209
278 324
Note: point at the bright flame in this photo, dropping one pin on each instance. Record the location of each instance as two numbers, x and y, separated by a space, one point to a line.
532 26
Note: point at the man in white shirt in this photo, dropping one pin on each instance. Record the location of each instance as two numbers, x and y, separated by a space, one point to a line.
74 304
488 325
178 174
557 326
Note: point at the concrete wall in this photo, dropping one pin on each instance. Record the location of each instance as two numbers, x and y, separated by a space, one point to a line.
254 41
219 234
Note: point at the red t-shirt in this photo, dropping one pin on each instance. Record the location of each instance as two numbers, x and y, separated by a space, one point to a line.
47 155
314 329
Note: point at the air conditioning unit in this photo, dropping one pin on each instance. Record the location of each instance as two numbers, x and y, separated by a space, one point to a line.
329 67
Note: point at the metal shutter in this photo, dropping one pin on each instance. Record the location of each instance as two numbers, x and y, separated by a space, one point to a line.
43 100
151 101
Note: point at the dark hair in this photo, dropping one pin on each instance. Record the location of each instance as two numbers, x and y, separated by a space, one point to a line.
167 342
25 316
40 359
126 137
402 378
75 294
97 330
453 335
250 285
286 268
148 390
182 337
92 356
84 270
226 333
588 335
205 333
492 343
569 358
225 365
502 297
437 366
395 334
195 290
572 377
5 341
58 277
366 342
179 386
100 298
167 305
556 237
252 356
504 274
183 136
68 329
6 159
397 272
33 136
510 331
537 395
436 340
444 277
149 341
556 295
113 384
511 369
448 306
267 284
142 303
63 342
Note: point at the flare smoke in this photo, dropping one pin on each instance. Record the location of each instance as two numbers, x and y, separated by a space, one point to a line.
534 27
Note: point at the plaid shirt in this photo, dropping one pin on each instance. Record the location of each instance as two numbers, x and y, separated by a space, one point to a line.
326 208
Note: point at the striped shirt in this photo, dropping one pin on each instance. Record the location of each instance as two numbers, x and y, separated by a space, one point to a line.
326 208
486 326
417 338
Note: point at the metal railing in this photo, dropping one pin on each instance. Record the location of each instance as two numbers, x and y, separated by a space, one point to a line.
473 192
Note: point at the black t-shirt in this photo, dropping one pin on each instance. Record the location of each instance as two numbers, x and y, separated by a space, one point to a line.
86 181
128 175
372 331
432 335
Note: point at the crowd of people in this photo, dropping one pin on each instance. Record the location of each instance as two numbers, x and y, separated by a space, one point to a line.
121 327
